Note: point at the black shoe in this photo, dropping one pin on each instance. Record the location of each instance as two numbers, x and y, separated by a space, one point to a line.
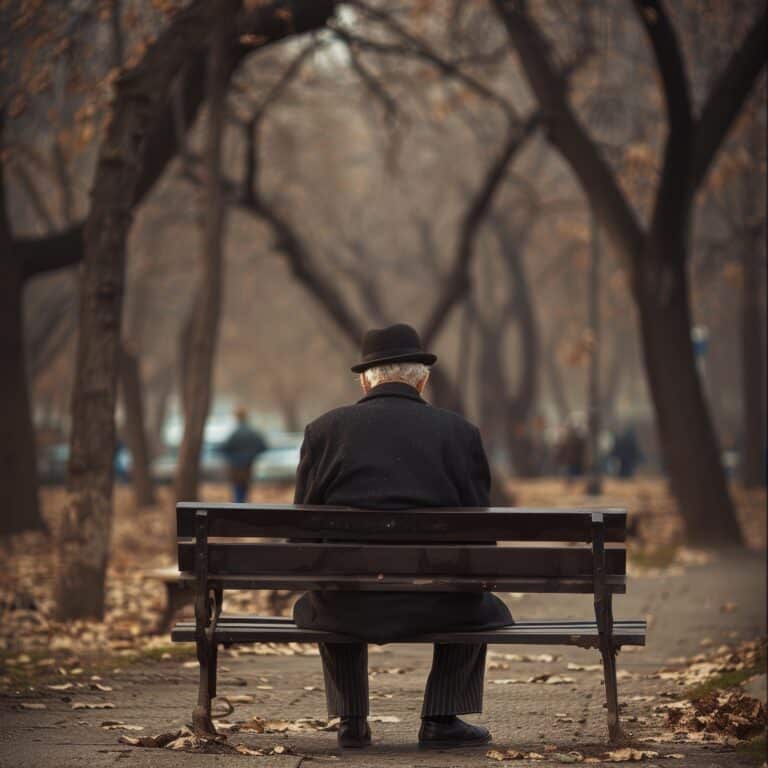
354 732
435 734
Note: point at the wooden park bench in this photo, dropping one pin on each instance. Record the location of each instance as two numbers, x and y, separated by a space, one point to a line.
223 546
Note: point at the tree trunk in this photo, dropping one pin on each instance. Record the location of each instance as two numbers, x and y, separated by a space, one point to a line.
198 371
491 386
687 437
87 520
521 403
614 377
753 367
135 433
555 379
20 509
18 465
161 394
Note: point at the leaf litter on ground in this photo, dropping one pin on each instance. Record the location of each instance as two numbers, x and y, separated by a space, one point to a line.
184 740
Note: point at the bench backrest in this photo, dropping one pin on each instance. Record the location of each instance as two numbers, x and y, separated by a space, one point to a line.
540 550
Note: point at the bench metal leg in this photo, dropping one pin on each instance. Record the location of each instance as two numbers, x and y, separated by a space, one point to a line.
207 656
214 647
608 652
202 724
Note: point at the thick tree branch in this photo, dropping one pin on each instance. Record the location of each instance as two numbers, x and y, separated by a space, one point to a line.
675 189
45 254
565 130
457 281
728 96
265 25
414 47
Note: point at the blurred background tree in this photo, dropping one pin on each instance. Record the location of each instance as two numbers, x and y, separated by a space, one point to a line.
434 162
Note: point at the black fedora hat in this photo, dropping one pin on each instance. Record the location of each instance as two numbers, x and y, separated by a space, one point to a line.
396 344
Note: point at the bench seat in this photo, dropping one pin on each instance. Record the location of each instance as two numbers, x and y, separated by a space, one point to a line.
265 629
299 547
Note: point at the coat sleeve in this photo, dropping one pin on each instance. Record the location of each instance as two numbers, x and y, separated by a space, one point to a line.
306 492
479 490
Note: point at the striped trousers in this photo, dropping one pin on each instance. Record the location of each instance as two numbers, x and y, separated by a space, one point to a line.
454 686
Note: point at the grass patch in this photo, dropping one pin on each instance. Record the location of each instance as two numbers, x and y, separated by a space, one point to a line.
727 680
177 652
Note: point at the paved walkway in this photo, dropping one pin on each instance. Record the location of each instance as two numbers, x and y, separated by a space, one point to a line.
685 611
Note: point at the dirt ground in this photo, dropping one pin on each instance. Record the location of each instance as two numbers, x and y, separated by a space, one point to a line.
69 693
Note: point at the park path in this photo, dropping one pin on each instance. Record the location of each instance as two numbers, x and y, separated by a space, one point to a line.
691 609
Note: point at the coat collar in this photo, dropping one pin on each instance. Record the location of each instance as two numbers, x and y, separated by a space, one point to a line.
393 389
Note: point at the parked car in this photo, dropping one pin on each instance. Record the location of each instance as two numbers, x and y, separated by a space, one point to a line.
213 467
276 465
52 464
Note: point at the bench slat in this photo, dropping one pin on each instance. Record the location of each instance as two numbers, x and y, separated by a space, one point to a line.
626 632
417 561
245 619
615 584
448 525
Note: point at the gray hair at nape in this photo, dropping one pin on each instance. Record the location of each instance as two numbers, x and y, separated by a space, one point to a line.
408 373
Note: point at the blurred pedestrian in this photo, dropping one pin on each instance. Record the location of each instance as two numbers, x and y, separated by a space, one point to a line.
241 449
626 451
571 454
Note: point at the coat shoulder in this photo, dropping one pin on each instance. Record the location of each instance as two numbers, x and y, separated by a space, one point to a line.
456 420
329 419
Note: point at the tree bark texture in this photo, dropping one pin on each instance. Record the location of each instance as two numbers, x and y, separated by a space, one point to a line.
752 333
86 525
204 327
690 446
18 466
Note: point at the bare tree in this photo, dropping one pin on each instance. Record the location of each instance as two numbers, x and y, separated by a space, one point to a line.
261 26
657 256
86 524
206 311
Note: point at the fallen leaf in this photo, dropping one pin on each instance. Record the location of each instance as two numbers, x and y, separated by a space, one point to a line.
243 750
32 705
240 698
114 725
628 755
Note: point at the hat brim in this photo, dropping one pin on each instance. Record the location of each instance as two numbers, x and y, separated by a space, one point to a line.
427 358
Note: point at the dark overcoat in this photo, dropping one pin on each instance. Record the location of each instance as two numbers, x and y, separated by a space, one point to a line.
392 450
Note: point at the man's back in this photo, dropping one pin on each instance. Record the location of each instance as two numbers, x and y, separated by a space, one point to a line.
392 450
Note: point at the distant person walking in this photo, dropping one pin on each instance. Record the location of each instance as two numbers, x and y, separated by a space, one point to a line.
627 453
571 454
240 449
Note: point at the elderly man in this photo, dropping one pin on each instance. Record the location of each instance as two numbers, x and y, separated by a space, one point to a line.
392 450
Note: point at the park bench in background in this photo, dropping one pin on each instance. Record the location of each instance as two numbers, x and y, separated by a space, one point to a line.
541 550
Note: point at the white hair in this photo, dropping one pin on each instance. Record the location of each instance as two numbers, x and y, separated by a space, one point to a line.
408 373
